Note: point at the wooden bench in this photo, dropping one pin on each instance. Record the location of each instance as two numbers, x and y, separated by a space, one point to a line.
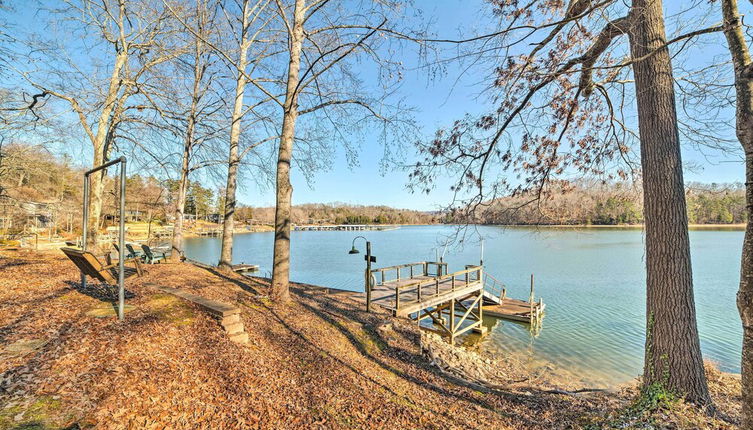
90 265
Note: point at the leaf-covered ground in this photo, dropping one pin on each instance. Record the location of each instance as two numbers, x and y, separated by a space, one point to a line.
320 362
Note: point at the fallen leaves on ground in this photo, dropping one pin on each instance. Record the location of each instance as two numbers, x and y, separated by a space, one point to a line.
318 362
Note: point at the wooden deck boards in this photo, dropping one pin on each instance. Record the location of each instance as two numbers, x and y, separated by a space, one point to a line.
384 294
513 309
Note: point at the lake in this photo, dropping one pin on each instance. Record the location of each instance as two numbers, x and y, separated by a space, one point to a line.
592 281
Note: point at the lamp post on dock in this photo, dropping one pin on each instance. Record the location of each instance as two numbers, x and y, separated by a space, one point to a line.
367 277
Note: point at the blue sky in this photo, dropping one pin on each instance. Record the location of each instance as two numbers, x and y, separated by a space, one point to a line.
366 185
438 102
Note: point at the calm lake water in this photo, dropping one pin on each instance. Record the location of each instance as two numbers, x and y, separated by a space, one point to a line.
592 280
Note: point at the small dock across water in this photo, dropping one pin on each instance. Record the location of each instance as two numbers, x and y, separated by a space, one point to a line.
244 268
344 227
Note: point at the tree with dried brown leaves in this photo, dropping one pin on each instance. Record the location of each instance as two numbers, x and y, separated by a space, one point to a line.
560 115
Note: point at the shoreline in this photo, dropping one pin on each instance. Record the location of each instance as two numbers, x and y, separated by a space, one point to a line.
736 227
732 227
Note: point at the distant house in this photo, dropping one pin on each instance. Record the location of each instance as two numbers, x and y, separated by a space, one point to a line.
215 218
131 215
30 216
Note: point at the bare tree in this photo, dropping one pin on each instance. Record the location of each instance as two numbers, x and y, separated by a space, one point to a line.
244 57
132 34
322 37
194 110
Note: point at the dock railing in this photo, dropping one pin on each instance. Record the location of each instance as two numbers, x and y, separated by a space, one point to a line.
470 275
420 268
495 287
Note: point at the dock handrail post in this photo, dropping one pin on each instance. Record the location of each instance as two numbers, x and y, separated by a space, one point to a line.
530 300
426 268
368 276
411 272
452 322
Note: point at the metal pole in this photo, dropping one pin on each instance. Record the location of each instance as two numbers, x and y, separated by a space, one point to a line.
121 240
368 276
85 223
481 262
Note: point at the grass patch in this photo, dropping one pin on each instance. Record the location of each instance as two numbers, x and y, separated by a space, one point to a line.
23 347
43 413
371 342
171 309
652 406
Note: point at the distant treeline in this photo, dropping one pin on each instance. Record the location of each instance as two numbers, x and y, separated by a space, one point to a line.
340 213
39 189
614 204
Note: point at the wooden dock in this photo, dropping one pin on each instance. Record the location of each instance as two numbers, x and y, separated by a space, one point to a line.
454 302
209 232
243 268
425 291
497 304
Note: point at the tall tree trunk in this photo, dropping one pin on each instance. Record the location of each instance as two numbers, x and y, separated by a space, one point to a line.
673 353
743 67
226 253
180 206
198 76
99 143
281 263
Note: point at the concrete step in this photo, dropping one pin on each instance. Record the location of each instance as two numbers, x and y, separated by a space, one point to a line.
240 337
234 328
230 319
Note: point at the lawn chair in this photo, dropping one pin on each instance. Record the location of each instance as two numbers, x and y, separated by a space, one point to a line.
130 253
90 265
151 257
